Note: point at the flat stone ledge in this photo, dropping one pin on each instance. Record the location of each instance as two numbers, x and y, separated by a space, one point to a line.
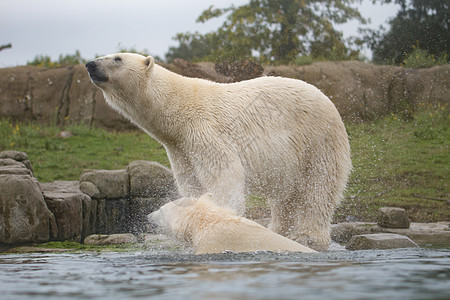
70 187
426 233
380 241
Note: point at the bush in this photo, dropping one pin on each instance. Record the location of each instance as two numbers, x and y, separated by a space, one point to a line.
420 58
303 60
63 61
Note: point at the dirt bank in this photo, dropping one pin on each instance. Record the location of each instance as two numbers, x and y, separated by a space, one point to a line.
360 91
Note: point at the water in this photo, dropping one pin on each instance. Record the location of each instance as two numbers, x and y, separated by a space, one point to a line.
380 274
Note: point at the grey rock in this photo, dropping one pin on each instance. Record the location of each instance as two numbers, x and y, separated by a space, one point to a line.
62 187
113 216
15 170
90 189
343 232
65 134
67 209
24 216
68 191
16 155
421 233
393 217
151 179
27 163
10 162
379 241
53 227
426 233
113 239
104 184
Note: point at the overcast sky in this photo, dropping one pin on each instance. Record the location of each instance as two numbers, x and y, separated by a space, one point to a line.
54 27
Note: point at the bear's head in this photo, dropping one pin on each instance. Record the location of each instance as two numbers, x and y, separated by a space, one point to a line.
115 69
170 218
177 217
123 78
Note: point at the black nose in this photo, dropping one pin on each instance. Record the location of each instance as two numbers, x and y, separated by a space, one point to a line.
91 65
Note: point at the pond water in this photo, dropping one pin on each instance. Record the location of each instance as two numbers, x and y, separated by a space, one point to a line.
372 274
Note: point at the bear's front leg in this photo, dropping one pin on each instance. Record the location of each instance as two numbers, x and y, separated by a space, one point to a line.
225 180
185 175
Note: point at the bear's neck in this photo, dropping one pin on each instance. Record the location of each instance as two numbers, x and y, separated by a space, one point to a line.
173 104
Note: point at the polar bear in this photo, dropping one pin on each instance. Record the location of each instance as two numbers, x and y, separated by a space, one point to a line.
213 229
277 138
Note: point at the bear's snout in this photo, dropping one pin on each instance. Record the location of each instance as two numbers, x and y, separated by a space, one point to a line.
91 65
96 74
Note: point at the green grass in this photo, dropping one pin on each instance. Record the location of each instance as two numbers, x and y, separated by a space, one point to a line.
56 158
77 247
396 162
399 163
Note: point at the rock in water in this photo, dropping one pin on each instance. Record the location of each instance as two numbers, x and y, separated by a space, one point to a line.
380 241
113 239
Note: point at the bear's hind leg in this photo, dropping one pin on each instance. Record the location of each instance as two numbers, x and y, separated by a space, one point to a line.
313 220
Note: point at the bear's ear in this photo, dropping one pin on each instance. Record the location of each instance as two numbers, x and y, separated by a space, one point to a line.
206 197
149 62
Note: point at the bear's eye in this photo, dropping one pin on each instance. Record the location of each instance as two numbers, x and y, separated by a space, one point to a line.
117 59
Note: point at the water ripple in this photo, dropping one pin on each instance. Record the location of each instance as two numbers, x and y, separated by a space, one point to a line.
403 274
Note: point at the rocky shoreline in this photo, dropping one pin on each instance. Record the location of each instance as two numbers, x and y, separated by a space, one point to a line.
110 207
105 202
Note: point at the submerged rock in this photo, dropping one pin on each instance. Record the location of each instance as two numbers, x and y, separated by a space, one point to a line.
113 239
421 233
343 232
379 241
162 242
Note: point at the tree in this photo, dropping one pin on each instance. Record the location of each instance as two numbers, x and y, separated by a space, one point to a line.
419 24
275 30
63 61
192 46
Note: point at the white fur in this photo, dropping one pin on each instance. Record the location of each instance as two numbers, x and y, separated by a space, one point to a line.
213 229
274 137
